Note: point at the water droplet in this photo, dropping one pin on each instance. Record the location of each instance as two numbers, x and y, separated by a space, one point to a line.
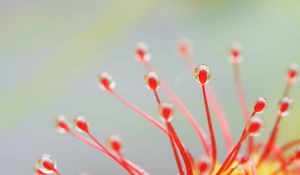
81 124
47 164
260 105
293 73
166 112
152 80
61 124
202 74
284 106
114 142
185 47
203 164
142 53
106 82
255 126
235 54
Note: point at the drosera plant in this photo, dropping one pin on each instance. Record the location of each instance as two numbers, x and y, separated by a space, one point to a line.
259 158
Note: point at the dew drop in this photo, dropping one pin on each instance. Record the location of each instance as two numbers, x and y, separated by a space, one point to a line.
202 74
61 124
166 112
260 105
152 81
106 82
47 164
255 126
293 73
203 164
284 106
235 56
114 142
81 124
142 53
185 47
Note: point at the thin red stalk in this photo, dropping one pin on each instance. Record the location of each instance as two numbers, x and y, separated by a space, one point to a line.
240 91
211 131
231 157
290 144
284 166
183 109
271 141
92 144
179 166
250 145
172 141
182 149
125 167
287 89
221 119
139 111
156 97
220 115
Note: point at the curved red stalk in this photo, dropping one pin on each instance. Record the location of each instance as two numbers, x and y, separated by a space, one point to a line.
156 97
120 162
271 141
231 157
290 144
92 144
139 111
179 166
183 151
211 131
220 115
183 109
240 91
172 141
286 163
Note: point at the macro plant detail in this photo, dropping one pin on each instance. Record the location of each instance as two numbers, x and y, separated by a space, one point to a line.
259 158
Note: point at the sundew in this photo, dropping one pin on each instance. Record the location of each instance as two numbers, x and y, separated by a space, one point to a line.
259 158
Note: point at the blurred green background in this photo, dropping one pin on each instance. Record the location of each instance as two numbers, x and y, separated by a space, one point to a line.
52 51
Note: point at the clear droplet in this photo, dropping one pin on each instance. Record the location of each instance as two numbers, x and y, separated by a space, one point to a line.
203 164
166 112
81 124
293 73
62 124
260 105
185 47
202 74
255 126
235 54
47 164
106 82
142 53
284 106
114 142
152 80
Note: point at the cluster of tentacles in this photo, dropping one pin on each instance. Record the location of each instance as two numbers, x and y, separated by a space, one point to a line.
263 158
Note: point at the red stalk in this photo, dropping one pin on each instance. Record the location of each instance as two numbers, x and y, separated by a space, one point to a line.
172 140
182 149
271 141
88 142
211 131
183 109
220 115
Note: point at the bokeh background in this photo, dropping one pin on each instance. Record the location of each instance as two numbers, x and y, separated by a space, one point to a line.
51 52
